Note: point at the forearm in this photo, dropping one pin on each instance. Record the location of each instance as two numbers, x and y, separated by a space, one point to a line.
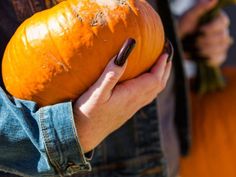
37 142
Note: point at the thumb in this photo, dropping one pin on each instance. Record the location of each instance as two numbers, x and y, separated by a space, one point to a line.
202 7
113 71
190 20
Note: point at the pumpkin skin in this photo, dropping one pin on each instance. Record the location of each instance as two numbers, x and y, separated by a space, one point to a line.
214 133
58 53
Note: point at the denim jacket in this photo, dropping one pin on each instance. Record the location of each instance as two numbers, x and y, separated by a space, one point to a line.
43 141
38 141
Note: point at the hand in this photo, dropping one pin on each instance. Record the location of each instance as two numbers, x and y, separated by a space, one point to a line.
215 40
107 105
188 23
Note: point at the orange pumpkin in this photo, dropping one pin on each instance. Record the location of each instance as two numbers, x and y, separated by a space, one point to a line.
214 133
58 53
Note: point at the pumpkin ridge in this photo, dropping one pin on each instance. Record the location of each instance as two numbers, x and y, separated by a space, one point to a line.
59 60
139 41
39 82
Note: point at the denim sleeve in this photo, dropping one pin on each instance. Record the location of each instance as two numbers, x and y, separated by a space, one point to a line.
39 141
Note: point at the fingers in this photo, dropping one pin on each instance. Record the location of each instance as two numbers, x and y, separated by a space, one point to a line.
215 46
161 71
220 23
149 83
189 21
158 70
201 8
221 37
109 77
113 72
167 73
209 51
216 55
216 37
215 41
169 50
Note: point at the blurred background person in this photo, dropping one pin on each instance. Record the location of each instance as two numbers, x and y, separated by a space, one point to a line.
213 115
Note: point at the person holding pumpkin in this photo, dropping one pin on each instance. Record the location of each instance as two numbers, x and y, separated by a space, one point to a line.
44 141
139 148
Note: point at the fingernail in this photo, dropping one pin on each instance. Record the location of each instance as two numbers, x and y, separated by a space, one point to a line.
124 52
169 49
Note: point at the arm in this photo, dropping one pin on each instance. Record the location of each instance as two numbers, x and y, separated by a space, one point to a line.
38 141
44 141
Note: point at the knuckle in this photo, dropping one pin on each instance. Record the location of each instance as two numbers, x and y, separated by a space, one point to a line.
128 91
112 76
157 80
96 97
149 101
152 97
158 83
162 86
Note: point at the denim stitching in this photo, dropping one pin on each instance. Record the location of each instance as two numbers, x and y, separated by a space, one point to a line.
48 149
83 158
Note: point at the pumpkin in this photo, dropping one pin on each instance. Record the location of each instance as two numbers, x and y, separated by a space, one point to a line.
214 133
57 54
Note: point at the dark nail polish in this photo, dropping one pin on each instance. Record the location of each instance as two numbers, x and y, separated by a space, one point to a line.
169 49
124 52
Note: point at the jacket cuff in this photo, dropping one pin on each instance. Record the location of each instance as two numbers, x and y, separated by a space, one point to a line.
61 140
